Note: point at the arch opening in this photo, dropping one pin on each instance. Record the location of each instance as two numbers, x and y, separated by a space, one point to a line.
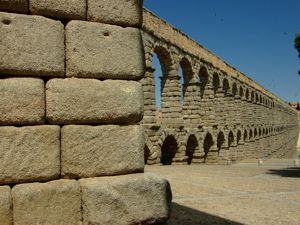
203 79
207 144
168 150
161 62
239 137
192 145
230 139
216 82
220 141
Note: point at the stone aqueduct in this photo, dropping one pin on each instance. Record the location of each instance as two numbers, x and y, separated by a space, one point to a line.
218 115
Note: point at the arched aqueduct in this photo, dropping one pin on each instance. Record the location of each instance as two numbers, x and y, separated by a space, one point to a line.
218 114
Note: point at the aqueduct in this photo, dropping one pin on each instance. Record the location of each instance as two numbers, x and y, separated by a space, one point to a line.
216 114
74 87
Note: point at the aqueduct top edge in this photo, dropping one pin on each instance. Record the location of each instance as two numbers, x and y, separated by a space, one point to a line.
161 29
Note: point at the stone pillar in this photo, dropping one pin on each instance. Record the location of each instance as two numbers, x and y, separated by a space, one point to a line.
191 104
70 111
220 110
148 84
207 106
171 100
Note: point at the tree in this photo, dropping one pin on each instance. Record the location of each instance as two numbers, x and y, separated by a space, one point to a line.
298 106
297 46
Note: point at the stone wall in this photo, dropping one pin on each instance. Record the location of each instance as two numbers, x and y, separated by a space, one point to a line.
218 115
71 147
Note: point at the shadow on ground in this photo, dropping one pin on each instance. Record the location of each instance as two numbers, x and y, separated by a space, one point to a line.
182 215
287 172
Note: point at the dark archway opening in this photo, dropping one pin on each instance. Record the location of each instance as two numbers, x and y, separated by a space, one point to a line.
220 141
203 79
239 137
191 146
207 144
230 139
168 150
245 135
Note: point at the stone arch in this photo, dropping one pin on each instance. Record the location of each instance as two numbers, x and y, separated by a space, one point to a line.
245 135
255 133
165 62
216 82
203 79
250 134
230 139
247 94
260 100
187 72
168 150
238 137
191 146
241 92
252 96
226 86
259 132
165 58
256 97
234 89
220 141
208 142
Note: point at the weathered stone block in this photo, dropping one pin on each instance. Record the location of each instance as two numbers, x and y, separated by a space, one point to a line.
119 12
22 101
128 199
29 154
96 50
17 6
92 151
31 45
89 101
62 9
6 217
53 203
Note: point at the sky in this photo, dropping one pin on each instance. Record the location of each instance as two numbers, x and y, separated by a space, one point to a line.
256 37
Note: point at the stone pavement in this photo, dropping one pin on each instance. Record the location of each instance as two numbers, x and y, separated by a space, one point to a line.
244 193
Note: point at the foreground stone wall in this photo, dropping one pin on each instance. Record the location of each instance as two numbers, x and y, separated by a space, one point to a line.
71 147
218 115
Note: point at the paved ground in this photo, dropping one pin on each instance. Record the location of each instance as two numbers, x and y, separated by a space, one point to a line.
243 193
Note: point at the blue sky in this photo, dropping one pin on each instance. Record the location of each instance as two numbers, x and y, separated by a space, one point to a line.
256 37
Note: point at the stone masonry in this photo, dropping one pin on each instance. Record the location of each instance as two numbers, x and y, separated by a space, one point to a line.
218 115
71 143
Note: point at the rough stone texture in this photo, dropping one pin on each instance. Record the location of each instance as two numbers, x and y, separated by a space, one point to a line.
62 9
31 45
53 203
129 199
17 6
5 206
29 154
119 12
89 101
96 50
92 151
22 101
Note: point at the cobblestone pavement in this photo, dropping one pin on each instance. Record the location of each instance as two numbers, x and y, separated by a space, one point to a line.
244 193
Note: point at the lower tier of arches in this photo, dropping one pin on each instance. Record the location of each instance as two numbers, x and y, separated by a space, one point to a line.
218 145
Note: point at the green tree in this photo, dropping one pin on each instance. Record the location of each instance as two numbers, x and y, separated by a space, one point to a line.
297 46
